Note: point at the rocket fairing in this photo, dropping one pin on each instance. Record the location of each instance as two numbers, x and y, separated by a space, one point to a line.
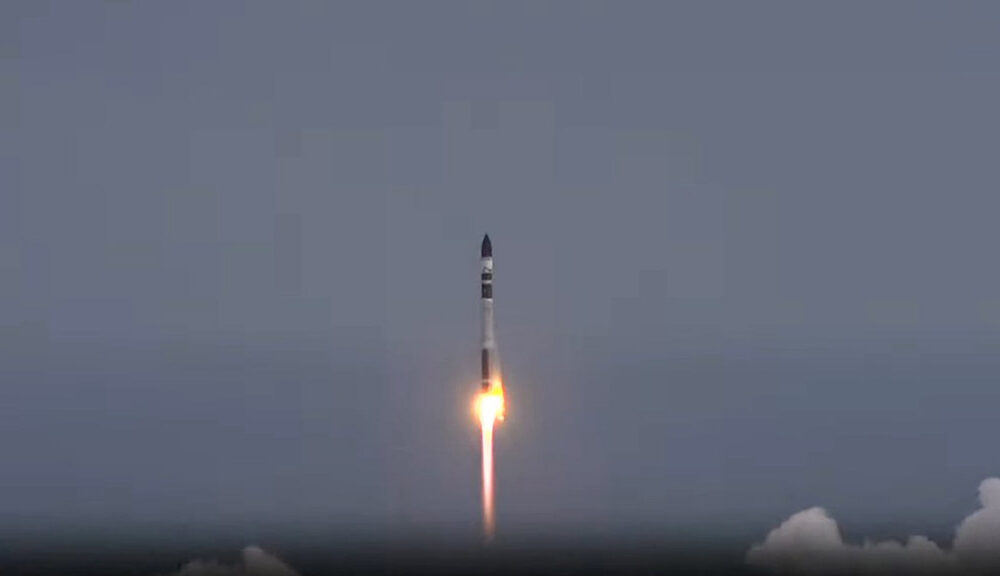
488 341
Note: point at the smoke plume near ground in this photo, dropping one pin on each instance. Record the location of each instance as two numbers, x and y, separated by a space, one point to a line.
809 542
253 562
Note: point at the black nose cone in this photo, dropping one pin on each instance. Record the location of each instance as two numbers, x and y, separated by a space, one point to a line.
487 250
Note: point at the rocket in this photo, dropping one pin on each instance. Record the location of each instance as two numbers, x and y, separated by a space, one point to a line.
489 343
490 401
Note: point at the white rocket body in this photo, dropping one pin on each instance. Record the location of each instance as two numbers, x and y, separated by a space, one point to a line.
489 343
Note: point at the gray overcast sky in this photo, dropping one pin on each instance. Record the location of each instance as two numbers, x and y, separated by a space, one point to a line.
745 259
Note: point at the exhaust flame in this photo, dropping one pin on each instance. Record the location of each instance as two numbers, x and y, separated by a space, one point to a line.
490 408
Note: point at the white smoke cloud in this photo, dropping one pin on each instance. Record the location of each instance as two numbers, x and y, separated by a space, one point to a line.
977 538
809 543
254 562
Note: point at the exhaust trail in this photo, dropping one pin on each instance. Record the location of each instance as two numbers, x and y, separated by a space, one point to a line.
489 524
491 410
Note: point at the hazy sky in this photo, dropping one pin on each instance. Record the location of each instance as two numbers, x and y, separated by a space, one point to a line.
746 260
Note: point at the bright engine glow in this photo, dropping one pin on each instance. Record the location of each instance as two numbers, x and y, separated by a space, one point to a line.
490 405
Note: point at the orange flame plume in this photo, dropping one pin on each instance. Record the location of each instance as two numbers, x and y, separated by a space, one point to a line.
490 408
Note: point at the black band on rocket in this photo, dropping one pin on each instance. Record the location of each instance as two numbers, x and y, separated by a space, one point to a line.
486 365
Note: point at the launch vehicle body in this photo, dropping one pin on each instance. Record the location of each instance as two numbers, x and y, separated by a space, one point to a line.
489 346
